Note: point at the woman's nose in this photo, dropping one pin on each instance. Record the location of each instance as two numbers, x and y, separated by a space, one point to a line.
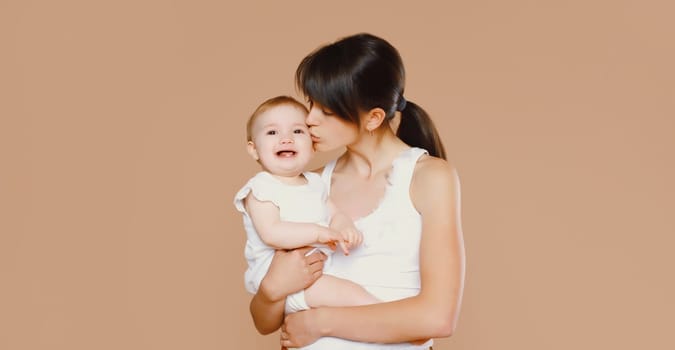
312 119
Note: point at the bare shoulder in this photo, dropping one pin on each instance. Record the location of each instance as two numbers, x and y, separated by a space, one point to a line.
433 171
433 179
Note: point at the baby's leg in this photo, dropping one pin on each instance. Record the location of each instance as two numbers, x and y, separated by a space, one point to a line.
333 291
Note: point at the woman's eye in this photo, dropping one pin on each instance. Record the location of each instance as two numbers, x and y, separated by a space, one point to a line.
325 112
298 131
271 132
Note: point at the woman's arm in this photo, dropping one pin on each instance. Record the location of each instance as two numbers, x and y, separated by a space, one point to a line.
289 272
434 311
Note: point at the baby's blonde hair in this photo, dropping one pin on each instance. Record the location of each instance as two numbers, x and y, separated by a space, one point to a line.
270 103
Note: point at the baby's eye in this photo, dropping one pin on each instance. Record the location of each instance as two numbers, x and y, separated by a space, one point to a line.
298 131
271 132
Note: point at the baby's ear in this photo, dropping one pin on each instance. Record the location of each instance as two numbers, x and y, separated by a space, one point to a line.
252 151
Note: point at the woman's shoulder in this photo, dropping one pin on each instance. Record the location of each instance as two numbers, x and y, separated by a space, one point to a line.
433 166
432 172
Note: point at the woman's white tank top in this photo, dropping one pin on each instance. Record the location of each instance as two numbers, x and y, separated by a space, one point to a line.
387 263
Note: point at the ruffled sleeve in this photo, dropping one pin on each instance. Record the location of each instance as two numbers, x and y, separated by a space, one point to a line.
264 188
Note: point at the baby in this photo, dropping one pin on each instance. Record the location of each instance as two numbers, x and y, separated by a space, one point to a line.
286 208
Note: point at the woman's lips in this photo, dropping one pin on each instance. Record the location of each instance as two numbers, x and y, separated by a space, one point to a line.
315 138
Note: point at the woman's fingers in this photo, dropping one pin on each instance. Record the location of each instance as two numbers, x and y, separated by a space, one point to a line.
304 251
291 271
313 263
315 257
316 274
300 329
285 341
317 266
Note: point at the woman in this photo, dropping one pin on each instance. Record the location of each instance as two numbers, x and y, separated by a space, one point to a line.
401 193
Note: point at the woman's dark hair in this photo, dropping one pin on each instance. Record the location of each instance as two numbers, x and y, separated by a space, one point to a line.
362 72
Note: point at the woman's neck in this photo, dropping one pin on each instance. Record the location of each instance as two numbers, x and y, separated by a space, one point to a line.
371 155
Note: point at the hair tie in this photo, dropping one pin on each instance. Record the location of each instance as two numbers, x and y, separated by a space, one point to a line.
401 104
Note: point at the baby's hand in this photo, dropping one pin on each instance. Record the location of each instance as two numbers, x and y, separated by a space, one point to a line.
352 236
332 238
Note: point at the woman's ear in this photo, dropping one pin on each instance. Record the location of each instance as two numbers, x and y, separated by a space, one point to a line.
252 151
374 118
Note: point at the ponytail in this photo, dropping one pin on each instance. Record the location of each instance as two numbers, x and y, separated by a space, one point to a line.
418 130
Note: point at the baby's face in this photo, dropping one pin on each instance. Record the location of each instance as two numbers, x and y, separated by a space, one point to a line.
281 140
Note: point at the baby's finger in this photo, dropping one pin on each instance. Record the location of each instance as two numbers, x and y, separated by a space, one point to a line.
344 246
346 239
354 238
356 241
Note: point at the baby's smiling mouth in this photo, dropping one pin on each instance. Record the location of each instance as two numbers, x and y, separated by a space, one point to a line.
286 153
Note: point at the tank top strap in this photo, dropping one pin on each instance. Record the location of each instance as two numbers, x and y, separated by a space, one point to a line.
401 174
403 169
327 173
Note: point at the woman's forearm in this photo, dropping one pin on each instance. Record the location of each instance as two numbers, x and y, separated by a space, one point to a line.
289 272
267 305
268 315
383 323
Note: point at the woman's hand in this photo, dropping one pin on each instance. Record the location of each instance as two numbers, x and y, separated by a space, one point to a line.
291 271
303 328
300 329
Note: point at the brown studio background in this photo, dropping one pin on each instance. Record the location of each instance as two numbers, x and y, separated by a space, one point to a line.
122 144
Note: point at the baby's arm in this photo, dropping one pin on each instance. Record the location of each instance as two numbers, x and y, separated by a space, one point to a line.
343 224
333 291
287 235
